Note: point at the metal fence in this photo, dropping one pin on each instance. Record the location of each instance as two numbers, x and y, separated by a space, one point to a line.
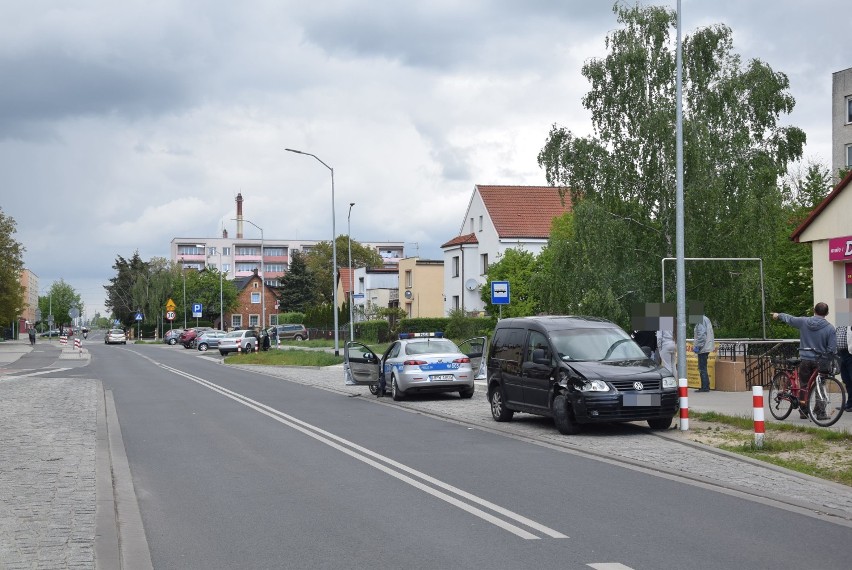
762 358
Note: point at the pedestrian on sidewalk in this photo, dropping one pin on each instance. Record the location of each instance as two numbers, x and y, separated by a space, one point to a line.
816 335
842 334
31 334
704 344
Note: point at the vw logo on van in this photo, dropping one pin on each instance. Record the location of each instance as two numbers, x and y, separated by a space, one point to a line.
638 386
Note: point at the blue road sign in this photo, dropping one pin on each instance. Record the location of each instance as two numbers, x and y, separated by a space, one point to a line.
196 310
499 292
139 316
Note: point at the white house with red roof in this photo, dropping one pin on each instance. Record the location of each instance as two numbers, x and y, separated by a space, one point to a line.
829 231
497 218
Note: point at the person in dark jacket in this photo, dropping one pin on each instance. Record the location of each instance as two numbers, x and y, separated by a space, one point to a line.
816 338
31 334
265 340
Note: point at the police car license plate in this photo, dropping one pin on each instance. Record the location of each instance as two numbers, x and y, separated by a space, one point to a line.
641 400
442 377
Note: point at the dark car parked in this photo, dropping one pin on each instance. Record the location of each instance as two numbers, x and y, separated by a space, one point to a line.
577 370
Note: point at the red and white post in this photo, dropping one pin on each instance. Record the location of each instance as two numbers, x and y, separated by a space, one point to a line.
683 393
759 426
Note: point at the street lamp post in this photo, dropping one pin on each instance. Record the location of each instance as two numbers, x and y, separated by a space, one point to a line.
333 249
351 284
183 273
221 309
262 277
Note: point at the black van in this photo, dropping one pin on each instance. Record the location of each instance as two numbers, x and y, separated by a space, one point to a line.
577 370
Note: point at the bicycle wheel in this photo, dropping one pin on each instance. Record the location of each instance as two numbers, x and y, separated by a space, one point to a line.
826 399
780 397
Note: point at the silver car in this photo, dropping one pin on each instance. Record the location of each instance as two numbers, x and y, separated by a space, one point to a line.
238 341
115 336
209 339
418 363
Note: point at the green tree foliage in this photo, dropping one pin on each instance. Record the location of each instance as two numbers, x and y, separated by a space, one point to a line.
516 266
120 291
11 265
735 151
319 262
298 286
60 299
203 287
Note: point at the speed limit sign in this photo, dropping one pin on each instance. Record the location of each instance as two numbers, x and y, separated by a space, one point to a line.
170 315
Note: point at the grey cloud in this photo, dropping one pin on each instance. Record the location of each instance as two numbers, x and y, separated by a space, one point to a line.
42 87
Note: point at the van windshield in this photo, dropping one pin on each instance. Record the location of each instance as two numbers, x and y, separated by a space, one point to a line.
595 344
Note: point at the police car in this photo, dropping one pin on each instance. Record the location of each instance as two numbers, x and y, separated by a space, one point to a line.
417 363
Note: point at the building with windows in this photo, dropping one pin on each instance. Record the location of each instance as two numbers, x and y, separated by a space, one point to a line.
827 229
497 218
841 122
375 288
29 283
249 311
421 287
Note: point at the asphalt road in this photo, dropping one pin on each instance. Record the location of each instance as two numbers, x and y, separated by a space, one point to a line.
234 469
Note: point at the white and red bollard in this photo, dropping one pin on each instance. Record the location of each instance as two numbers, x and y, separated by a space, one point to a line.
683 393
759 425
78 344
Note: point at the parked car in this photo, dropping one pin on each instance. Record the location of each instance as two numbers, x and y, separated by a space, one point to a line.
50 333
290 332
115 336
417 362
238 341
171 337
187 337
209 339
577 370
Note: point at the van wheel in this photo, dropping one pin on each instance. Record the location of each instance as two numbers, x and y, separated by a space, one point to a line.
499 411
660 423
396 393
562 417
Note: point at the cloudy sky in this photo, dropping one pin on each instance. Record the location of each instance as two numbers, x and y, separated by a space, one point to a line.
126 124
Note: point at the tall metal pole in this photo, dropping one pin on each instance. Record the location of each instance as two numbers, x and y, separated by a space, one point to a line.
333 250
183 272
221 304
679 233
351 284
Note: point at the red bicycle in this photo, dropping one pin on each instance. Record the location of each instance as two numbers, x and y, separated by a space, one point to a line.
824 395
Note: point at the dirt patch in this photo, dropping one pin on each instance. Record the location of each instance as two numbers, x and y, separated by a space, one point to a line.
833 457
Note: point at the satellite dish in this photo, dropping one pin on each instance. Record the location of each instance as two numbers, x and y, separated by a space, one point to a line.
471 284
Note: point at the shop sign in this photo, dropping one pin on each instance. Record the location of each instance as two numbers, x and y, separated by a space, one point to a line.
840 249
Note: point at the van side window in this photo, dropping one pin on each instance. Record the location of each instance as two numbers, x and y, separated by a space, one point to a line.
537 341
507 344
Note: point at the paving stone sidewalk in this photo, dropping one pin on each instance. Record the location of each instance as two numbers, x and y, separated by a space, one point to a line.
48 429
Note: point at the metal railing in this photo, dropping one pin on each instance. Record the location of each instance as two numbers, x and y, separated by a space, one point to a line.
762 358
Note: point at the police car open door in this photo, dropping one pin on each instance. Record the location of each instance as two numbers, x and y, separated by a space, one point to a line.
361 364
475 348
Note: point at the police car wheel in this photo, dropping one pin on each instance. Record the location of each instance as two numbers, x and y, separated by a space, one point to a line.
466 393
374 389
396 393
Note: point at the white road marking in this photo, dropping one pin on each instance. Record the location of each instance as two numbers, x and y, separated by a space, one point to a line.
37 373
609 566
392 468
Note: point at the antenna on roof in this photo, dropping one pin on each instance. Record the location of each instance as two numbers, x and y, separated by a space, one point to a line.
416 247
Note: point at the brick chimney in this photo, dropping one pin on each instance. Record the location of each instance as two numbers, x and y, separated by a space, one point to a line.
240 215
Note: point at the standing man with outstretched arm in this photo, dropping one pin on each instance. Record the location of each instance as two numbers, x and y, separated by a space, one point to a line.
816 337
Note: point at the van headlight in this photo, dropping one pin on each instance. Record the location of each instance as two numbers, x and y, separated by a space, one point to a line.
669 382
594 386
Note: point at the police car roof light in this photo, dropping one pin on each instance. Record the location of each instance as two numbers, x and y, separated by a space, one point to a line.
436 334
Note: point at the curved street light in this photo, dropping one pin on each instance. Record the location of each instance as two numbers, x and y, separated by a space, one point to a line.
333 249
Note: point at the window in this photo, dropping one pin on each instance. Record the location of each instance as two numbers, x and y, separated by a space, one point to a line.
211 251
480 223
242 267
226 251
190 250
408 278
254 320
226 267
471 225
255 298
273 319
537 341
849 155
455 302
408 310
456 266
275 251
483 264
236 321
849 109
275 267
248 250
